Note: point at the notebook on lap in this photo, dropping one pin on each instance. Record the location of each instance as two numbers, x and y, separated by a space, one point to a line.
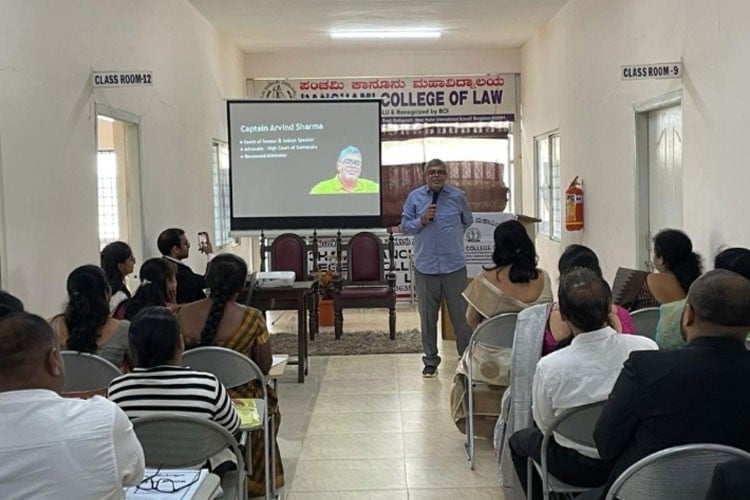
249 416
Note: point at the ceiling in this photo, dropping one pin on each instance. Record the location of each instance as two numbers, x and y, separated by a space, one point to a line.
278 25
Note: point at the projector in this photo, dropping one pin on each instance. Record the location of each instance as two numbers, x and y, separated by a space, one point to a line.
275 279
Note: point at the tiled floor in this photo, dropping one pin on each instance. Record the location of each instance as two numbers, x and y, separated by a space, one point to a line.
369 427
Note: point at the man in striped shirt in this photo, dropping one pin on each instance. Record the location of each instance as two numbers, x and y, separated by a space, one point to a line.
159 383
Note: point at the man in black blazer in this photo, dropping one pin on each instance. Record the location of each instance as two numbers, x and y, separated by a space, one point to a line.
696 394
174 246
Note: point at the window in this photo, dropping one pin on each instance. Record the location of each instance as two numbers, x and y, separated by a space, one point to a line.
548 185
109 213
118 181
220 168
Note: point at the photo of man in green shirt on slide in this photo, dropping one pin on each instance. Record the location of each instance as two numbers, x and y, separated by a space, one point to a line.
347 180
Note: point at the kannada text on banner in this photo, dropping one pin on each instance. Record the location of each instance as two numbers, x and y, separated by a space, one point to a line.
405 100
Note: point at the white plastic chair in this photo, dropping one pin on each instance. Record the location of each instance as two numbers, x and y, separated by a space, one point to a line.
645 321
497 331
86 372
234 369
179 441
681 472
575 424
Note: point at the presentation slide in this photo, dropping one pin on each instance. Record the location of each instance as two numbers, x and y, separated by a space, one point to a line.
304 164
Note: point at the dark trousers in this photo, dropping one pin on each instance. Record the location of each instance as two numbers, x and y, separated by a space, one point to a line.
565 464
430 289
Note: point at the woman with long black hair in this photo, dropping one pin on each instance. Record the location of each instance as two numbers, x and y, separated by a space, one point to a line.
86 324
513 282
158 288
677 266
219 320
117 261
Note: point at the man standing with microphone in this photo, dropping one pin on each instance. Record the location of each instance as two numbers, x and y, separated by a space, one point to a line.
438 214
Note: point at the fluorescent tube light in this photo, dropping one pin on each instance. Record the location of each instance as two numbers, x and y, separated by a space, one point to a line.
386 34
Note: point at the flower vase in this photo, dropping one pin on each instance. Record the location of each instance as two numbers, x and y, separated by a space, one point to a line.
325 312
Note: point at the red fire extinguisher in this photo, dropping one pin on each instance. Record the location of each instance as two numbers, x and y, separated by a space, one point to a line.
574 206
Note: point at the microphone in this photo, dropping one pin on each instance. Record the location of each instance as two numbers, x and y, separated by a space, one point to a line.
435 195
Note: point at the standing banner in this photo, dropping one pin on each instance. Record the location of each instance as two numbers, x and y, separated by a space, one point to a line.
479 242
433 99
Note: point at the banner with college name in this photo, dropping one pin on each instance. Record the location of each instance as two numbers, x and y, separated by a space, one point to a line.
479 240
440 99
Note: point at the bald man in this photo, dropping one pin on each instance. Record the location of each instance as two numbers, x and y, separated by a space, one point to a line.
52 447
682 396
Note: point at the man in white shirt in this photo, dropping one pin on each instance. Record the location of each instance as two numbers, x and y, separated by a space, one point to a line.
577 375
52 447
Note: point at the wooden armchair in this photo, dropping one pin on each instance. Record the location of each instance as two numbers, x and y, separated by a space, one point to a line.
367 285
290 252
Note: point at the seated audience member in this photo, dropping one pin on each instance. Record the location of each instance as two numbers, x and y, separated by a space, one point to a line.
117 261
174 246
513 283
683 396
9 304
53 447
558 333
221 321
160 384
158 288
578 375
677 265
668 330
86 325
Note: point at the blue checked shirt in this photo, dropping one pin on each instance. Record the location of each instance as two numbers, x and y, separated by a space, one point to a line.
438 245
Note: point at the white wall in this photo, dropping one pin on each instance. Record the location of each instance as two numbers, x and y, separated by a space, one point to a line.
571 81
342 63
47 52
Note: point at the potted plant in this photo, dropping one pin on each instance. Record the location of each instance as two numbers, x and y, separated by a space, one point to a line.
325 291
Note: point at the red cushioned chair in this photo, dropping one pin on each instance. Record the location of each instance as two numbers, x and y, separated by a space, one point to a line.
290 252
367 285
